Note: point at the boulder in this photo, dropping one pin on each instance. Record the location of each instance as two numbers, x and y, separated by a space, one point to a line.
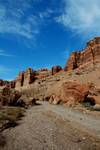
27 100
54 99
96 107
96 99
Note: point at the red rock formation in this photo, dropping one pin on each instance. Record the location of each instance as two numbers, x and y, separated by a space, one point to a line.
29 76
20 80
25 78
56 69
43 73
90 54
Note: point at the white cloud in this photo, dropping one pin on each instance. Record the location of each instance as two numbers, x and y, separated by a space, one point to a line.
4 72
4 69
46 14
21 18
3 53
14 19
81 16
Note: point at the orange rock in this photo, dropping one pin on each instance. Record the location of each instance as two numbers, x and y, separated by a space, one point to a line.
20 79
90 54
69 93
96 99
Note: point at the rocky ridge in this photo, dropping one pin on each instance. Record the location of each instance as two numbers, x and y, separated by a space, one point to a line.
90 54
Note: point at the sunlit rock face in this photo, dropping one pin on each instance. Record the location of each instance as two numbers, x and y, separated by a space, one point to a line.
28 76
25 78
90 54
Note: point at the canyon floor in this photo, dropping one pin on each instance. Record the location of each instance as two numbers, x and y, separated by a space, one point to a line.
51 127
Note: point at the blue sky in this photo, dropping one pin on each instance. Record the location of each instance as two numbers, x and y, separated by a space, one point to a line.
43 33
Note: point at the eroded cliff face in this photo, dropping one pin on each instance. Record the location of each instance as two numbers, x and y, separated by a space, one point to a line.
90 54
26 78
20 80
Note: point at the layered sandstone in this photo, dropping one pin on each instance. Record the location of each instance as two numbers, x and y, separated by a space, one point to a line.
43 73
27 77
90 54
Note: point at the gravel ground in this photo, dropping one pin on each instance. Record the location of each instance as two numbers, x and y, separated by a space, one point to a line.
49 127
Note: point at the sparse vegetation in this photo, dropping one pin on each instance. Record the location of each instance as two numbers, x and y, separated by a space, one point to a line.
9 116
88 105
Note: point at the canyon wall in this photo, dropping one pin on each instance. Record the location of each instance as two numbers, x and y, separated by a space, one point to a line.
27 77
90 54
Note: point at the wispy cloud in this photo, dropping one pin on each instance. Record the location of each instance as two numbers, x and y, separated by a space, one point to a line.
5 54
4 73
81 17
23 19
14 18
4 70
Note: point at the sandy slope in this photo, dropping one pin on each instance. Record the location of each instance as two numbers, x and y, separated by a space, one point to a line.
49 127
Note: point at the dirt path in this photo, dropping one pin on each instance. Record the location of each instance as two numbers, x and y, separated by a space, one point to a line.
88 123
49 127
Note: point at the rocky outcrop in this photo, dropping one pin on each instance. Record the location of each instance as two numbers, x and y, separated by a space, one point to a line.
43 73
20 80
67 92
29 77
90 54
56 69
25 78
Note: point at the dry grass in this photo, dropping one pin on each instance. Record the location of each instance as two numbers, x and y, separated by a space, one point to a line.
9 116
